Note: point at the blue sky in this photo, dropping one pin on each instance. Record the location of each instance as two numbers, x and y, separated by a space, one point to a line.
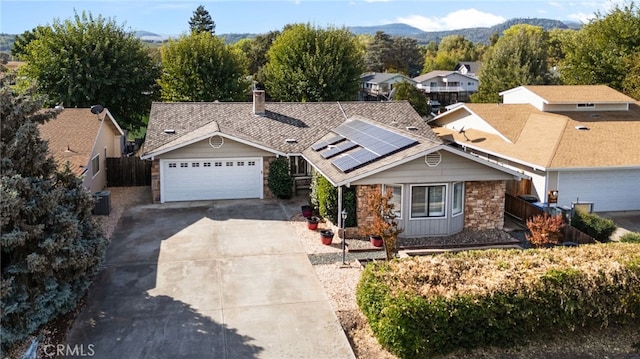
170 17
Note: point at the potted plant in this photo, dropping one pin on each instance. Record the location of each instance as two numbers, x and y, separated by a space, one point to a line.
307 211
326 236
384 226
312 222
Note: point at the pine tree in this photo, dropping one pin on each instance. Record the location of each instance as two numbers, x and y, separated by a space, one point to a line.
201 21
51 245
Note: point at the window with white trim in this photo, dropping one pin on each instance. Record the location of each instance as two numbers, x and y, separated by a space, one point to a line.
195 164
458 198
184 165
428 201
218 164
95 165
172 165
298 166
206 164
251 163
396 198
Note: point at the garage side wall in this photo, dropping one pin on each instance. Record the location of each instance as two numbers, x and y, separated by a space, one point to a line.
155 181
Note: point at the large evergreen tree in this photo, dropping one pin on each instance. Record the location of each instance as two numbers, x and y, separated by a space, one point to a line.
200 67
605 51
201 21
51 244
313 64
393 54
518 58
86 61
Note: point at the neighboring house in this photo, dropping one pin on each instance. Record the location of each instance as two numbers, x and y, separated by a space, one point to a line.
447 87
582 141
376 86
468 68
84 140
208 151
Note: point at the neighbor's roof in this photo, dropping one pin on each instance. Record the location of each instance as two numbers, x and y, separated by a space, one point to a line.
570 94
551 140
440 73
305 122
72 135
380 77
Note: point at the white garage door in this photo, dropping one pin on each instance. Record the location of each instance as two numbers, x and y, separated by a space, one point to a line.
207 179
615 190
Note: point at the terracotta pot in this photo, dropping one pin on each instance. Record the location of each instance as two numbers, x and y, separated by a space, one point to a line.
376 241
312 222
307 211
326 236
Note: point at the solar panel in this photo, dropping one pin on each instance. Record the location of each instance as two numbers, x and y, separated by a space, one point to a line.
322 144
343 146
376 142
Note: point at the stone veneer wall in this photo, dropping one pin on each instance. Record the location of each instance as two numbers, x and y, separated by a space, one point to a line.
484 205
266 161
365 219
155 181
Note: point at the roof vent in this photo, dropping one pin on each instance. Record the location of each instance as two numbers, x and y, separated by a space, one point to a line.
581 127
412 128
216 141
433 159
291 140
170 131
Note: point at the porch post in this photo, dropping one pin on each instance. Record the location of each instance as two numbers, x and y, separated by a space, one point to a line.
339 206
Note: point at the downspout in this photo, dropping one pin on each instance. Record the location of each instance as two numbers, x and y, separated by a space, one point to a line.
340 208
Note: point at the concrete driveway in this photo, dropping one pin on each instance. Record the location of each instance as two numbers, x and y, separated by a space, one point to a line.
627 221
223 279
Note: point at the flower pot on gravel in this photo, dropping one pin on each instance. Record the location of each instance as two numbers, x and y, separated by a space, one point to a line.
312 222
307 211
376 241
326 236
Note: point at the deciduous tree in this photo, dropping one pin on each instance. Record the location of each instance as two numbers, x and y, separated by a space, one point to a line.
313 64
518 58
417 99
85 61
51 245
200 67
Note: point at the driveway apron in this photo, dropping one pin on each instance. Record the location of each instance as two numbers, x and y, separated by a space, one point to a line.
222 279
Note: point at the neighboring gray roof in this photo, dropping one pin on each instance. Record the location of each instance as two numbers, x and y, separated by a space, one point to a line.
472 67
381 77
439 73
306 122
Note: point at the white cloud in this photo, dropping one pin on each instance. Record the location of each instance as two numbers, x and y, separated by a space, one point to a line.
455 20
581 17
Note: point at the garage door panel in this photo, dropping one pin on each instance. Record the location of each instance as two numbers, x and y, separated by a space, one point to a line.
187 180
615 190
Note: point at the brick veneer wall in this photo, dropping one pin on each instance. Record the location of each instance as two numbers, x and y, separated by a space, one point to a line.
155 181
484 205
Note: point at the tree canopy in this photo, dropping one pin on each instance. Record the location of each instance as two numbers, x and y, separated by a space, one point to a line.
85 61
201 21
451 50
605 51
51 245
313 64
200 67
407 91
393 54
518 58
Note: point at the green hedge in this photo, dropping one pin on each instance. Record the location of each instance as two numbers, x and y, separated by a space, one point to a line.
597 227
423 306
631 237
324 197
279 180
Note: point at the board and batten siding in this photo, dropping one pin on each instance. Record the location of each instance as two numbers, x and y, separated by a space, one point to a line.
203 149
452 168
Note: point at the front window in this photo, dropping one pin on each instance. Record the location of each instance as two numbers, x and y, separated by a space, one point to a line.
428 201
458 195
298 166
396 198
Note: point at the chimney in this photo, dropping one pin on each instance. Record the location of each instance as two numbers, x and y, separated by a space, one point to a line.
258 102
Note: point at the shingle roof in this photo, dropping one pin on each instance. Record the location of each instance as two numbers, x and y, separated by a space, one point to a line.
439 73
305 122
551 140
71 137
579 94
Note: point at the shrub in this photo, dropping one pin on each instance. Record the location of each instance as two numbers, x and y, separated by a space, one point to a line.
545 230
324 197
280 180
631 237
597 227
423 306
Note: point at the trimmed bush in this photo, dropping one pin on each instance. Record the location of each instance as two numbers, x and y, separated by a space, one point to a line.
424 306
324 197
280 180
597 227
631 237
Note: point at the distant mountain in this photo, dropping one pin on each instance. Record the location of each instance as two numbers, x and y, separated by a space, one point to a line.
147 36
389 29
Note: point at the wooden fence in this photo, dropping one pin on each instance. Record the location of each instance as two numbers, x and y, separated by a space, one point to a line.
519 208
572 234
128 172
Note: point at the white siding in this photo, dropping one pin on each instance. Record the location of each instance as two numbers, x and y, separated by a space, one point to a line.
609 190
597 107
